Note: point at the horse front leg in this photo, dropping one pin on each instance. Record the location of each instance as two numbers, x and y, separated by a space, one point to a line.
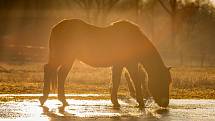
50 74
144 80
130 85
133 71
62 74
116 77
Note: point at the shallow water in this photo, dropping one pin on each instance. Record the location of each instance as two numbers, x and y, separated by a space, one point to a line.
30 110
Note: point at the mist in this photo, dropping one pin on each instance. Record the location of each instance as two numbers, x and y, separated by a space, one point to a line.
182 31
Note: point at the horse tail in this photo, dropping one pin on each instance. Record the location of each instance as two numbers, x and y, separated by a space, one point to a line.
51 69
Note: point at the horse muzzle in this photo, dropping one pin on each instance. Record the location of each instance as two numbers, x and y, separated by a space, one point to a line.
163 102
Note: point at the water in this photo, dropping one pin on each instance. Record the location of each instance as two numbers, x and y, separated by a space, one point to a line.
179 109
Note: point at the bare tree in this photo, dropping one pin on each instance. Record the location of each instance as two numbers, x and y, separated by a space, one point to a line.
171 9
97 10
87 6
195 30
104 7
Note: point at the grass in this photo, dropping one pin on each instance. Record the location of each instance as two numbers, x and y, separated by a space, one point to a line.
193 83
187 82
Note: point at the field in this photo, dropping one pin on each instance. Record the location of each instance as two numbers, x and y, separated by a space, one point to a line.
198 83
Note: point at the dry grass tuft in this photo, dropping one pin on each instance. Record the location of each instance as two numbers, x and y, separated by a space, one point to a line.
187 78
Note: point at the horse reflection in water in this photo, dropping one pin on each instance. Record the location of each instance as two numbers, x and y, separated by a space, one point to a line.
120 45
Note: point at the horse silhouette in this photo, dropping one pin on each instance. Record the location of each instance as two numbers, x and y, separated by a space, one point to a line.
120 45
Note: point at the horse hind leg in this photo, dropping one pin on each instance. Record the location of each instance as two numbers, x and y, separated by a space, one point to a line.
116 76
50 74
62 74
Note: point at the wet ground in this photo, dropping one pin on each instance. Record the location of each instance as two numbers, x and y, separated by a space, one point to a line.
90 110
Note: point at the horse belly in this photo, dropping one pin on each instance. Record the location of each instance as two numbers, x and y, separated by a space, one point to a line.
106 58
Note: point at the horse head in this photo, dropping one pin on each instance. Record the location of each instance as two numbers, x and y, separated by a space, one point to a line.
159 86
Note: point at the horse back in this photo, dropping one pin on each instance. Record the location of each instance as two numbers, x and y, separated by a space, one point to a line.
122 41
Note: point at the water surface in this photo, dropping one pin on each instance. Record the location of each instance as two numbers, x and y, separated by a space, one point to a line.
30 110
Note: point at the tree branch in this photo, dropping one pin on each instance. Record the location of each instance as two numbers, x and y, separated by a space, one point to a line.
80 3
112 3
167 10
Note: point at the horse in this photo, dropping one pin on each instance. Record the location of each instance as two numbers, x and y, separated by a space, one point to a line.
119 45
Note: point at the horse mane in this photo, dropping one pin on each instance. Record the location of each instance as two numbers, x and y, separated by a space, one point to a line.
154 62
112 24
123 22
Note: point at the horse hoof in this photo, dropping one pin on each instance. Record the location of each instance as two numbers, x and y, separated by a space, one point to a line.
42 100
141 106
64 102
116 105
132 95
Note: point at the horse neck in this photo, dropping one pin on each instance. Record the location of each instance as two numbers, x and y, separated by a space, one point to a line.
153 64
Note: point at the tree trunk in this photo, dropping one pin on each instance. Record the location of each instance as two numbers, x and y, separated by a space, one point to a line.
202 60
152 25
181 58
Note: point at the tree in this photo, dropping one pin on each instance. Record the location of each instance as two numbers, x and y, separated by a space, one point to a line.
172 12
97 10
87 6
196 39
104 7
